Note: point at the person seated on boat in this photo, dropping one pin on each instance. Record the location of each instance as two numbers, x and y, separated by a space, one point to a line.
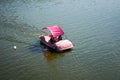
60 37
55 39
52 40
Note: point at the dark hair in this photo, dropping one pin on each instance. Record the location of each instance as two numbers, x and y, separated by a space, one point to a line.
60 37
52 40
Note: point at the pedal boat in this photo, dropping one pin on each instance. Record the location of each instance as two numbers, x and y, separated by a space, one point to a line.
60 45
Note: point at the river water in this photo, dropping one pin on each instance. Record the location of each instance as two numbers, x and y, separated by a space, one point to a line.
93 26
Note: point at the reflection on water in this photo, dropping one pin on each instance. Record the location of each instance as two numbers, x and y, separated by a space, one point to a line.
51 55
92 26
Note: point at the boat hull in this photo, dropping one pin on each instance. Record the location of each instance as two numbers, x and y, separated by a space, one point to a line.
57 46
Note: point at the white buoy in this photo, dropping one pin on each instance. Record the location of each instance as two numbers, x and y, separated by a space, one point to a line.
15 47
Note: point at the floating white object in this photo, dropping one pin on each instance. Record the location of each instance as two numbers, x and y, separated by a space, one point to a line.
15 47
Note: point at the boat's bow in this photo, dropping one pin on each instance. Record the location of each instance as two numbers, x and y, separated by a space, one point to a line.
64 45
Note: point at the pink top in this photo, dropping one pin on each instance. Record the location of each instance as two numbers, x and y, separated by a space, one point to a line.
55 30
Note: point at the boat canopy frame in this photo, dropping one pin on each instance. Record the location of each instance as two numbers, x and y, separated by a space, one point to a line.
54 30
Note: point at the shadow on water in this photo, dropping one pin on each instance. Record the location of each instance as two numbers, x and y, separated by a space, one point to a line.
37 47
